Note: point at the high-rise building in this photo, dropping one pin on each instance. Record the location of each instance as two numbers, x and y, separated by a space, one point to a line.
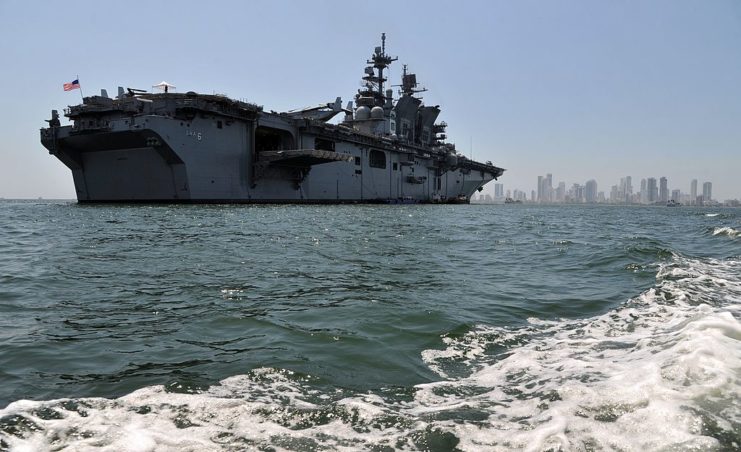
545 188
498 191
590 191
707 191
576 194
663 190
676 196
644 194
561 192
540 189
693 191
624 193
652 191
628 188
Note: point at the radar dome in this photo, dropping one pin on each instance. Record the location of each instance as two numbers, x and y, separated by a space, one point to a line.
362 113
376 113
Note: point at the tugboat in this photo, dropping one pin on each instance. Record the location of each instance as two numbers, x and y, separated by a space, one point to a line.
198 148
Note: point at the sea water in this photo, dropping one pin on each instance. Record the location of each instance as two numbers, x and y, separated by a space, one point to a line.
476 327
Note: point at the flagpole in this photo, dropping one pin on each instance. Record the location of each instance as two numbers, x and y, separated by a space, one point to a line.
81 96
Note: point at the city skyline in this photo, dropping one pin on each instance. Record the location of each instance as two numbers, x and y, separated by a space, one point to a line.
650 190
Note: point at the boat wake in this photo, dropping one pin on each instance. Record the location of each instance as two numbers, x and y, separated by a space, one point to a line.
661 372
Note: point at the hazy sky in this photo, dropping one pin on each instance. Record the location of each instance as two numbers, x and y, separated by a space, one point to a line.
579 89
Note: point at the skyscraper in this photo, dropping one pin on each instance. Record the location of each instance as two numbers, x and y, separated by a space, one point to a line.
499 191
590 191
707 191
663 190
644 192
626 189
540 189
577 193
561 192
693 192
652 191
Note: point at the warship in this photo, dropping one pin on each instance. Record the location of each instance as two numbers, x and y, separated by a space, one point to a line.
199 148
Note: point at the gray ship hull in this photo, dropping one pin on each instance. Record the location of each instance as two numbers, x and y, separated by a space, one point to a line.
172 147
160 159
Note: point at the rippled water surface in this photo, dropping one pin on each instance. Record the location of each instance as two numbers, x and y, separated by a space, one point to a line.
369 327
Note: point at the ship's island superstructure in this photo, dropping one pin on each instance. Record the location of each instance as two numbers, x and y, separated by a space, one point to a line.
174 147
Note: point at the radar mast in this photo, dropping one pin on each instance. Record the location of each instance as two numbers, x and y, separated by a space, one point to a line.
409 83
374 79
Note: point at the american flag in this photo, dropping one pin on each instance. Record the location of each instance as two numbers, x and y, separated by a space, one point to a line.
70 86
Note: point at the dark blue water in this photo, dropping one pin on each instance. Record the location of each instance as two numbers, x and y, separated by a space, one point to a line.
369 327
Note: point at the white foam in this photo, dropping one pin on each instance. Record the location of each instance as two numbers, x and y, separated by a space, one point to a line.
730 232
266 408
659 373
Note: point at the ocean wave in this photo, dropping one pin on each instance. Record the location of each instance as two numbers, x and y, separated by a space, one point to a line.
730 232
726 214
659 373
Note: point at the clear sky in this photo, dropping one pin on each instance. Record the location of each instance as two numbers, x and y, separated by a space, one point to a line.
580 89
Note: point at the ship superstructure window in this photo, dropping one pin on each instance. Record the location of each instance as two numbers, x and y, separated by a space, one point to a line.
218 125
357 161
396 166
271 139
377 159
324 144
406 129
